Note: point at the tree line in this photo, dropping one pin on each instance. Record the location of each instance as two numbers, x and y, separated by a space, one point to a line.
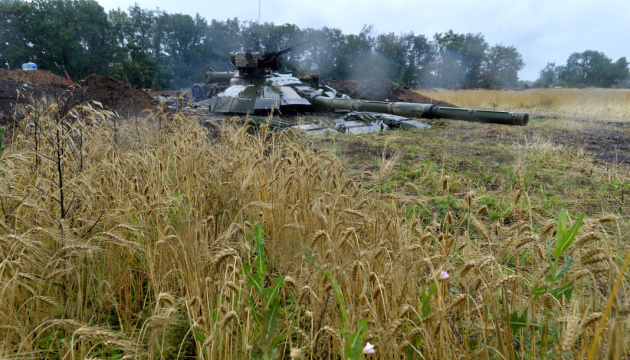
155 49
152 48
587 69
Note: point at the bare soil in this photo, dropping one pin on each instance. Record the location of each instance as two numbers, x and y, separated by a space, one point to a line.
13 92
609 142
114 94
35 77
21 87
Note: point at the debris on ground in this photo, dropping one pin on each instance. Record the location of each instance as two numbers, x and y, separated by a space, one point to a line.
187 94
181 99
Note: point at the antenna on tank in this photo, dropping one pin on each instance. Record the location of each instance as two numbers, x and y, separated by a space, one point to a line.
258 39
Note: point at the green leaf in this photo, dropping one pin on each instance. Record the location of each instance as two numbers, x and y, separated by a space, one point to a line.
562 220
253 279
199 336
426 300
565 290
564 239
257 314
517 323
354 346
538 291
260 250
273 294
271 322
565 268
3 129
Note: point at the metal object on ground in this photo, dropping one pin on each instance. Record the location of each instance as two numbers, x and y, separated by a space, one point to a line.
391 121
256 89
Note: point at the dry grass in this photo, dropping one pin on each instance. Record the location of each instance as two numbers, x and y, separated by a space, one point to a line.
591 104
134 239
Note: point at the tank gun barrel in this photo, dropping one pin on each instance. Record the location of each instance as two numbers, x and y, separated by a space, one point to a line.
425 111
272 60
291 48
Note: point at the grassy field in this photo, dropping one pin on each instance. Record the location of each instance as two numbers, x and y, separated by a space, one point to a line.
148 238
591 104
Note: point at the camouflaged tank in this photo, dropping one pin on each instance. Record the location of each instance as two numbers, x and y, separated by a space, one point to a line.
257 89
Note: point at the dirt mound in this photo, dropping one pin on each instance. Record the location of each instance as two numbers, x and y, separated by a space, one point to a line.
111 93
35 77
380 90
114 94
15 92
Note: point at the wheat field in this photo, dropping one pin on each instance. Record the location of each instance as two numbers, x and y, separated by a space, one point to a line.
591 103
158 238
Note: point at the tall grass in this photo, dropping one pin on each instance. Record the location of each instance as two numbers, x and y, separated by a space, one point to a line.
592 104
168 242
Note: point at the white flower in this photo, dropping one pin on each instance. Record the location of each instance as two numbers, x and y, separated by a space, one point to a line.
368 348
444 275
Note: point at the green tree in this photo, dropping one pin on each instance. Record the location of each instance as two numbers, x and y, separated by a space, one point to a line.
357 55
449 67
14 47
621 74
502 66
152 48
222 38
391 57
133 32
58 35
589 68
548 76
473 54
327 53
424 55
461 59
178 49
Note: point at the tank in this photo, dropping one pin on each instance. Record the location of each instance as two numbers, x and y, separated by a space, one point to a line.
257 89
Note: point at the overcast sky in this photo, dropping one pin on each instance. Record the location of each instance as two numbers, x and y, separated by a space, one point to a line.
542 30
